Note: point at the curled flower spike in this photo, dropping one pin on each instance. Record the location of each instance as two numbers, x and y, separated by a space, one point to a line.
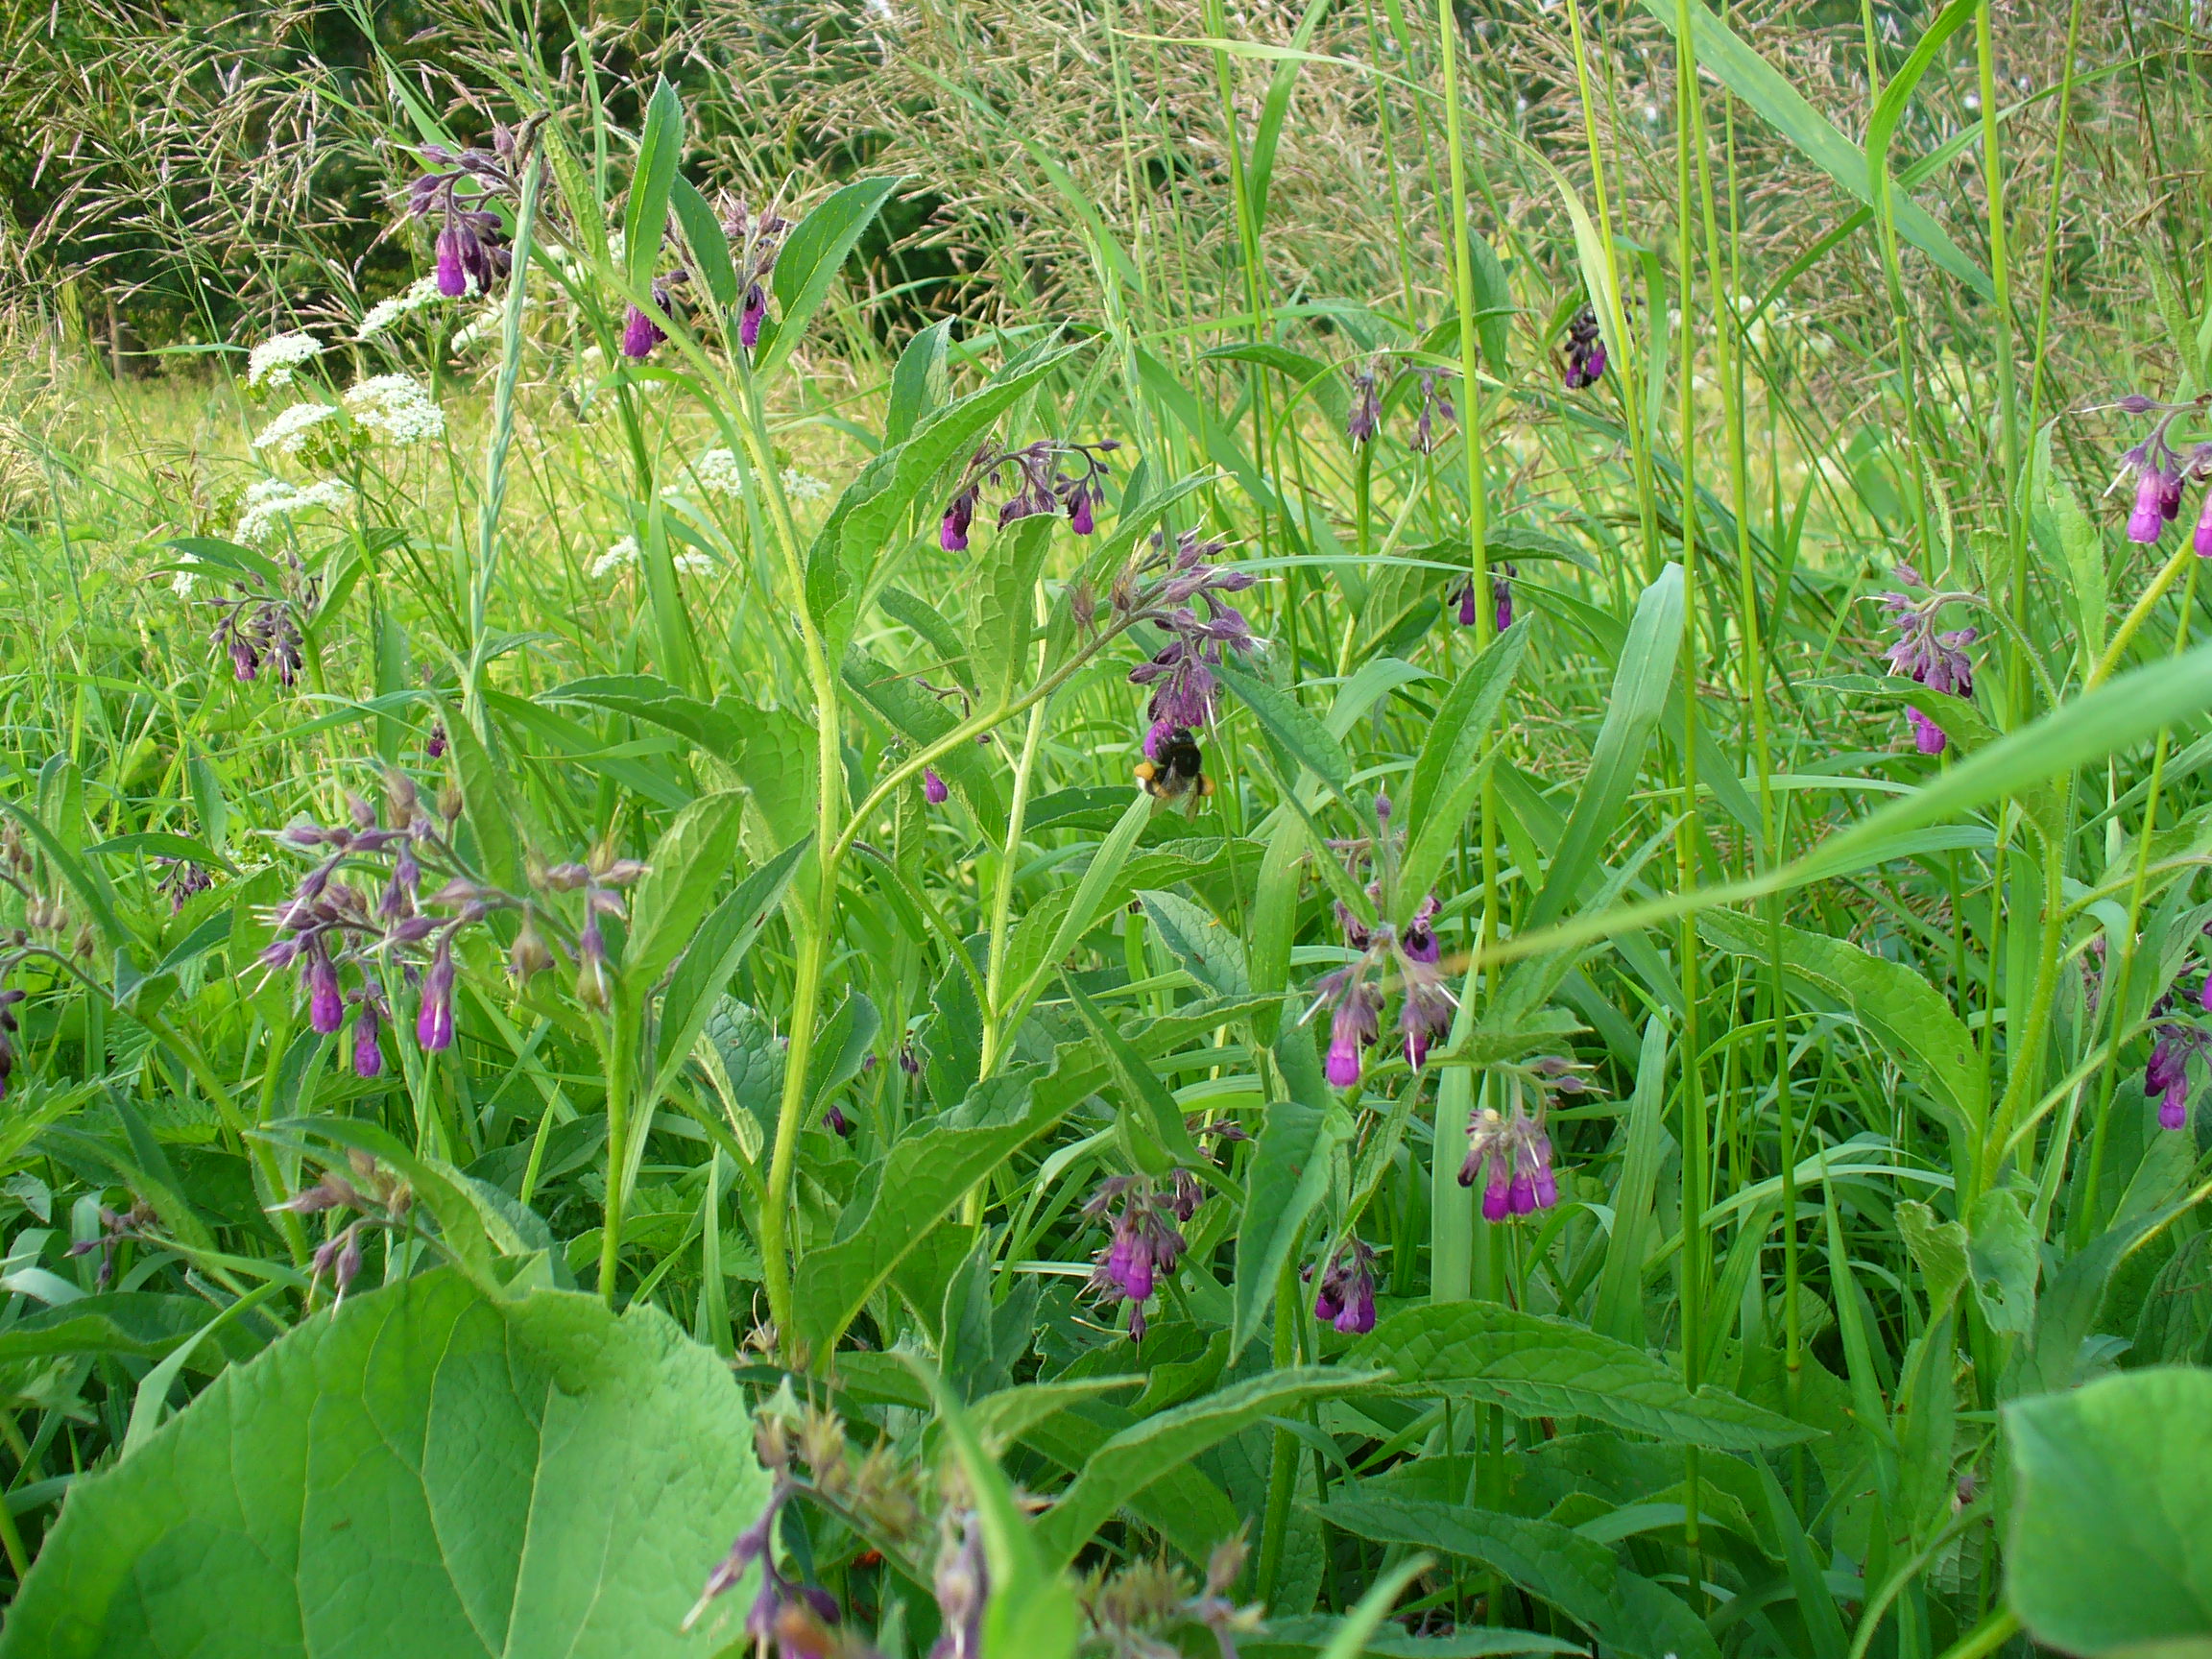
1355 992
1365 415
755 240
1584 363
1518 1154
2166 1077
1500 599
1144 1243
1346 1295
1040 487
1938 660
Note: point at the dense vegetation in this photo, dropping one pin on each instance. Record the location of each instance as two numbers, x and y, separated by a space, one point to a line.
888 832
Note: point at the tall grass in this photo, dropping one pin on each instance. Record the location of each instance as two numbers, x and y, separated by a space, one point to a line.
1838 1045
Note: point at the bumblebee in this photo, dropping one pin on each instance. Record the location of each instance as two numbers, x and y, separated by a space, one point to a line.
1179 774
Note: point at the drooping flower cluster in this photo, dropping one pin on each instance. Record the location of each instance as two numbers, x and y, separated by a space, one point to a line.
1501 598
115 1227
755 240
1355 993
257 627
1519 1155
329 925
181 881
1584 363
1437 412
1144 1244
1040 487
1346 1295
2156 471
454 186
804 1621
1938 660
1363 418
1181 672
2175 1043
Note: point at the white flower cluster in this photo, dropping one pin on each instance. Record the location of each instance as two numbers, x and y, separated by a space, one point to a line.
287 434
718 474
272 500
622 554
421 292
397 408
803 486
271 361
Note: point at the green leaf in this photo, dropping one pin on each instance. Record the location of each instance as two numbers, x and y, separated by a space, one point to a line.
1618 1311
1632 711
1938 1249
1006 608
1892 1001
813 253
1156 1134
1629 1615
425 1472
927 621
1136 1457
1768 91
127 1324
922 719
2111 1551
917 1184
1461 729
1098 887
1209 952
1286 1179
709 245
713 953
1284 719
2005 1258
485 793
919 383
660 148
685 866
1897 93
1538 1366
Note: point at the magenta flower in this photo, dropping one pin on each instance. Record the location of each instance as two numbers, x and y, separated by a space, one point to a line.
1346 1295
1518 1153
367 1051
933 788
434 1022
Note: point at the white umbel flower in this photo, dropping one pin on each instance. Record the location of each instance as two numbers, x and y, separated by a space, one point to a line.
718 474
423 291
803 486
397 408
271 501
288 433
271 361
622 554
693 562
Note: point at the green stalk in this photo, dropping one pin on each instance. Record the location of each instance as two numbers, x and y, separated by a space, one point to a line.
1696 1150
2000 278
1282 1470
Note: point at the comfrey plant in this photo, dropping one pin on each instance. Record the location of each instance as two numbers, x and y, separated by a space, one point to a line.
1385 957
333 929
1583 358
1041 487
2175 1043
454 188
1345 1297
1501 598
1938 660
256 627
1181 672
1516 1149
2157 472
755 240
1146 1243
1370 383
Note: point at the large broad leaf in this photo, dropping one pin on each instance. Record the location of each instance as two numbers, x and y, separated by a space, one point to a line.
1537 1366
425 1472
1629 1615
1303 736
1906 1014
687 864
1448 774
812 255
2111 1546
919 1182
659 149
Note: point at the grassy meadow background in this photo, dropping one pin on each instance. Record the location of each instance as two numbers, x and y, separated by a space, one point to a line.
611 1060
